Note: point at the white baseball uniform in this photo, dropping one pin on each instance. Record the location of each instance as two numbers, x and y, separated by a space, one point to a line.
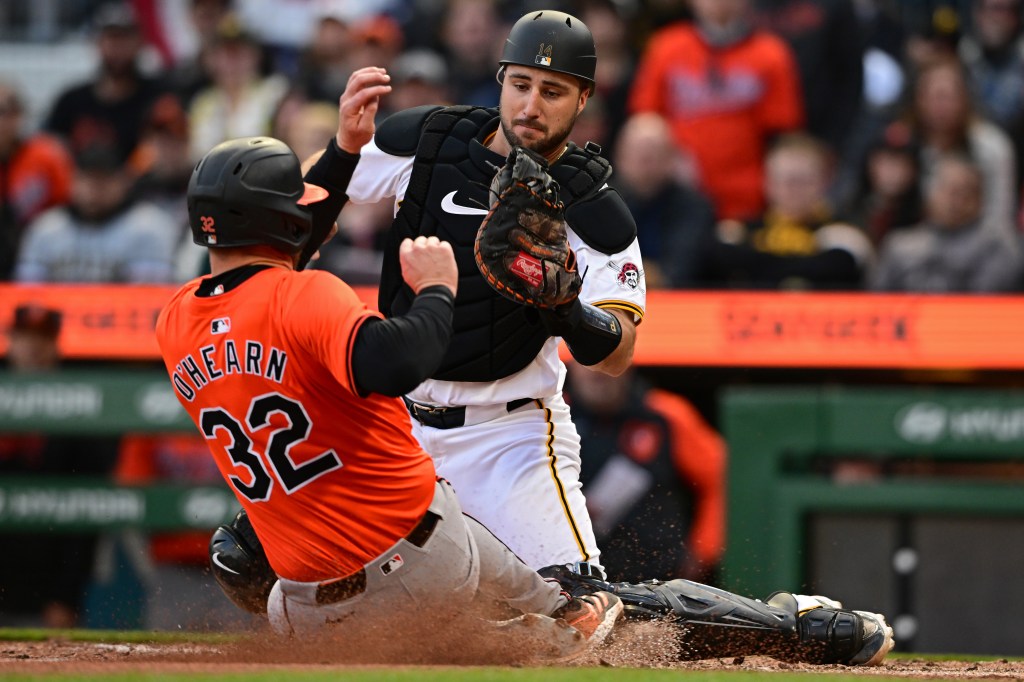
516 471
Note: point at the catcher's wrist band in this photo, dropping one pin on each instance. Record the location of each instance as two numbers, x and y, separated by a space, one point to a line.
590 333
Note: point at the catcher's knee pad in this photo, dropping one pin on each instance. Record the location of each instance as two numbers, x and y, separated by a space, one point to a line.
240 565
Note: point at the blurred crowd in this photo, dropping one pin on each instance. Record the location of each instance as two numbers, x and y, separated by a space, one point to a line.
761 144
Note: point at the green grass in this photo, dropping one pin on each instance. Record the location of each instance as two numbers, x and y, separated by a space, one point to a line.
113 636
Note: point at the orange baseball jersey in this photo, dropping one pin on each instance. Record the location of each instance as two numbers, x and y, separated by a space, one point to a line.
330 479
722 104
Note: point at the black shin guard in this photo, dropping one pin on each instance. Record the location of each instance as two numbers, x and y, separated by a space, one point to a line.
715 623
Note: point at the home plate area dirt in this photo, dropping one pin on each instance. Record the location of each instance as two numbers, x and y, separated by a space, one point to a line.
638 647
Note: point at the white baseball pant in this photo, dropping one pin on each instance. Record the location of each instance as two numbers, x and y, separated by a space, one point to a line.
518 473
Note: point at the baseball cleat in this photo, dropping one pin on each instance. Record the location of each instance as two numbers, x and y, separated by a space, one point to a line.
593 615
830 634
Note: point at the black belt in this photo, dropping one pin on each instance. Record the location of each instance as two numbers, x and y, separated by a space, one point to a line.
350 586
449 417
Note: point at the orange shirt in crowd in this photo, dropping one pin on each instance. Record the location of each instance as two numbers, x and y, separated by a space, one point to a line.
36 177
723 104
330 479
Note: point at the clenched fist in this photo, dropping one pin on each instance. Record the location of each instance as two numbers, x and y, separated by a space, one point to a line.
427 261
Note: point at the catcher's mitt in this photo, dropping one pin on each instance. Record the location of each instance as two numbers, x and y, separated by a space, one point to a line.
521 247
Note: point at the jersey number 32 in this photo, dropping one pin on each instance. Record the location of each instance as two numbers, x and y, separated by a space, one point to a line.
281 441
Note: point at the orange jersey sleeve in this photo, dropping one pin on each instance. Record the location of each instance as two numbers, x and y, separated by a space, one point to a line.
330 479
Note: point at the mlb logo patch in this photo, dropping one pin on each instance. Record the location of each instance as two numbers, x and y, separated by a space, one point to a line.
392 564
543 55
222 325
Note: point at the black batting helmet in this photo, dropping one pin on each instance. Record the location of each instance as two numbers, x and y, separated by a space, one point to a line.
552 40
249 191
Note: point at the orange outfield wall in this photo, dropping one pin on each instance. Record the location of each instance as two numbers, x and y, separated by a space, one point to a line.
746 329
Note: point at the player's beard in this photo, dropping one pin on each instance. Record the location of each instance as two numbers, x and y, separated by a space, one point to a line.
547 145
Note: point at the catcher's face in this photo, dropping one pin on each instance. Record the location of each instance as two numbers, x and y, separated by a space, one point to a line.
539 108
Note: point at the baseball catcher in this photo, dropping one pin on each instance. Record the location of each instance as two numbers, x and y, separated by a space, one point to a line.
521 247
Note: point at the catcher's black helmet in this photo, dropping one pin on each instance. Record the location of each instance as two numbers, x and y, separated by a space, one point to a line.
552 40
249 191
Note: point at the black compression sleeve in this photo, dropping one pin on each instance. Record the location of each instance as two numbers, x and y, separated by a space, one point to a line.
332 171
394 356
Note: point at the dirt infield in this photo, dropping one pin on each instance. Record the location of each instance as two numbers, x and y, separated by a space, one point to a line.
639 649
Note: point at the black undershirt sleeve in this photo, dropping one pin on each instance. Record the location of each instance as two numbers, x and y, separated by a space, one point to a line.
332 171
394 356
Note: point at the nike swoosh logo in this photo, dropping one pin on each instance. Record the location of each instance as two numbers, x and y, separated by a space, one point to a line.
448 205
216 560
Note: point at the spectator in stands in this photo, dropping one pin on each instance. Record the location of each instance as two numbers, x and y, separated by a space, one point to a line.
46 585
993 54
944 121
111 108
377 41
325 64
932 38
192 74
889 192
653 475
606 20
472 38
241 101
885 83
286 27
594 125
829 50
673 220
951 251
104 235
726 89
165 168
306 126
418 77
36 172
796 243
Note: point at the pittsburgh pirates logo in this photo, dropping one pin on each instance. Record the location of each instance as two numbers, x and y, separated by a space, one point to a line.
543 55
628 275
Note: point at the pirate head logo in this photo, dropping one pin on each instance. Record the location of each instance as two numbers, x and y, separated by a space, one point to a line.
629 276
543 55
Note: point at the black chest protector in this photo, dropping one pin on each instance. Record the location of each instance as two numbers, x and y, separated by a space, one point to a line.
447 197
